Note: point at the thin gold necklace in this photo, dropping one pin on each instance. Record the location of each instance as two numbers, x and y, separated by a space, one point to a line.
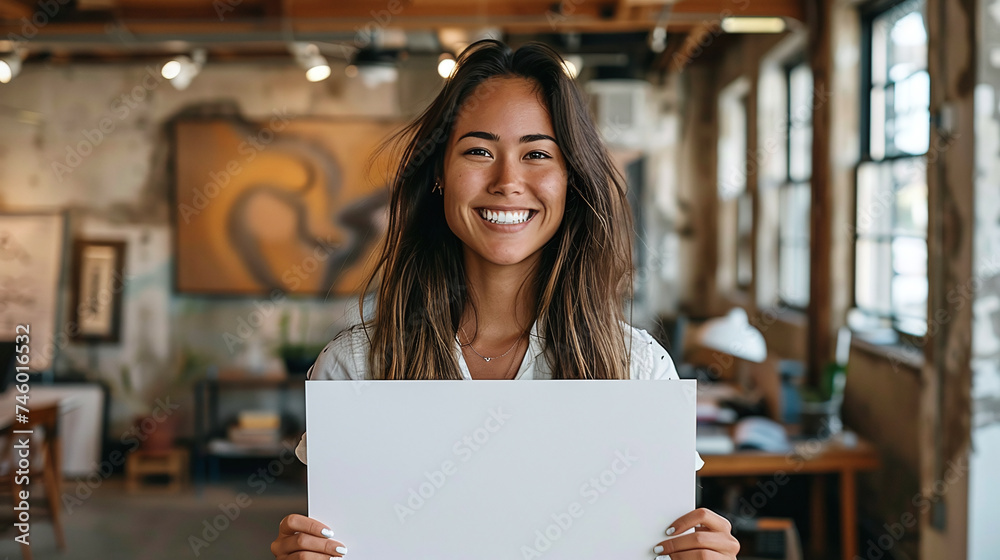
487 359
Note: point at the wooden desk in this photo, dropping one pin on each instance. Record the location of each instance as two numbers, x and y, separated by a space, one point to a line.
813 456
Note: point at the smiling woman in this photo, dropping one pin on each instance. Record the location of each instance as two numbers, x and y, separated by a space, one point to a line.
531 233
507 256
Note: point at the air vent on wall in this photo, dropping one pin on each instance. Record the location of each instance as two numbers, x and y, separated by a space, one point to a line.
620 108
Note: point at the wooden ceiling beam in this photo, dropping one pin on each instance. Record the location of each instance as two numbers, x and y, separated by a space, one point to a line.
14 10
193 17
692 46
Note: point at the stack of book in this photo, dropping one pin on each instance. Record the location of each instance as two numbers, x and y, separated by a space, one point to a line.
256 428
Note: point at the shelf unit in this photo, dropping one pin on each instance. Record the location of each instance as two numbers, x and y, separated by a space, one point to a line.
210 443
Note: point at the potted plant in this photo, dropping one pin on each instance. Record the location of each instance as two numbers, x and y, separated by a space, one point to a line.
297 356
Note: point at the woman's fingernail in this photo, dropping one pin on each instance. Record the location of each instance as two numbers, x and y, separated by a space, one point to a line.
664 557
670 531
328 533
658 549
341 550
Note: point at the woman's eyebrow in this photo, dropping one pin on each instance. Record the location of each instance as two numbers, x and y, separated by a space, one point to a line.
493 137
480 134
536 137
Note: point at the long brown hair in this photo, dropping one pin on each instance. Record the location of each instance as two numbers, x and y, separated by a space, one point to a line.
584 272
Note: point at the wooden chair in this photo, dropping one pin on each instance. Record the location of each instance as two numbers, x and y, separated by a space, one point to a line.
42 420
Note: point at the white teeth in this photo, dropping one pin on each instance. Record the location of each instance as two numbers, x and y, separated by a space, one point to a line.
505 218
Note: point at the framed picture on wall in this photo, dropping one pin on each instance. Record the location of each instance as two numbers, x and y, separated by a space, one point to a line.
97 286
31 264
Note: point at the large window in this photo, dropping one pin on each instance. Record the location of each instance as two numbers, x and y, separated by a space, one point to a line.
735 201
794 195
891 220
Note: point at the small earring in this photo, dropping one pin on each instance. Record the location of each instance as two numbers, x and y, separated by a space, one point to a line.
438 188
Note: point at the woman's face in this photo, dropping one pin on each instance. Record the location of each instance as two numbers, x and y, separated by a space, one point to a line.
504 176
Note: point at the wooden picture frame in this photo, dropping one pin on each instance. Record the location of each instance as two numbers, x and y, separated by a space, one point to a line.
98 281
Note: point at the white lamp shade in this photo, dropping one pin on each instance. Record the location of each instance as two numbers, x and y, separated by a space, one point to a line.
734 335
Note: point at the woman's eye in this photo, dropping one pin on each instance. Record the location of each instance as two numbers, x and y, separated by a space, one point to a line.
478 152
537 155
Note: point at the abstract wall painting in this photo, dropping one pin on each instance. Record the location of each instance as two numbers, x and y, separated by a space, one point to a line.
285 206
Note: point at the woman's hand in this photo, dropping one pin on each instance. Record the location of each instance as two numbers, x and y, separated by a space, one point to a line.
304 538
712 538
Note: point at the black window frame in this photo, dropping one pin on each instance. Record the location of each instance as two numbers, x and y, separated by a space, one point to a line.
869 13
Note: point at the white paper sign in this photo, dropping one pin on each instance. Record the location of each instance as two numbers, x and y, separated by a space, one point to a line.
493 470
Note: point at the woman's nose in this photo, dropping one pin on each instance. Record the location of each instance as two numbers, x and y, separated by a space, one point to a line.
509 179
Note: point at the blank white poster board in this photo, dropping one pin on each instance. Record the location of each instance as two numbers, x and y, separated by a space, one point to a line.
495 470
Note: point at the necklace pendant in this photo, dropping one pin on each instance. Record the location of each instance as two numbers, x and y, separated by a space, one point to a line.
487 359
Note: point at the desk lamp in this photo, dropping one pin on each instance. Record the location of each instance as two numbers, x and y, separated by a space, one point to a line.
734 335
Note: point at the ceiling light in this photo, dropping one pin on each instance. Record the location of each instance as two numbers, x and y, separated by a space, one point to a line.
10 67
171 69
571 65
318 73
658 39
446 65
182 69
753 25
307 55
374 67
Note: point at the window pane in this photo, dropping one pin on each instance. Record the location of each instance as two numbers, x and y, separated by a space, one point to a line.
907 40
793 205
732 144
793 241
875 200
909 297
909 256
900 86
800 154
911 209
794 275
800 99
877 136
911 133
872 275
744 241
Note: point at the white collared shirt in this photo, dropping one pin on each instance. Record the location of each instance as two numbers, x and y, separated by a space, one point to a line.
346 358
